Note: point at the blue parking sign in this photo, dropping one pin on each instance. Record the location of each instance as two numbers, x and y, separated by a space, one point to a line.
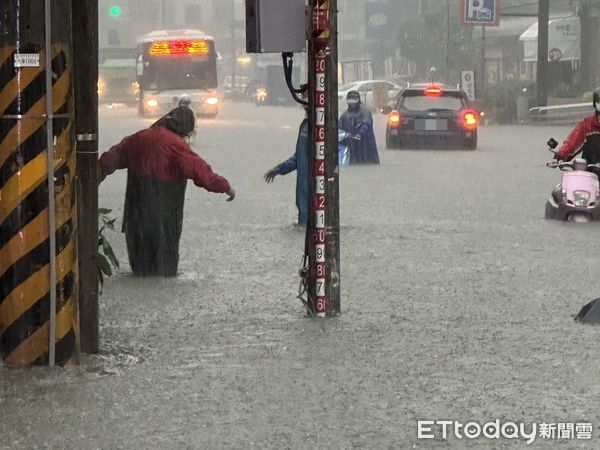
481 12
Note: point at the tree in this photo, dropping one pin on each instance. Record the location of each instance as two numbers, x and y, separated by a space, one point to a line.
425 42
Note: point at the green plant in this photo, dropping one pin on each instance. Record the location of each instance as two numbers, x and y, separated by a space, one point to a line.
564 90
500 99
107 261
434 39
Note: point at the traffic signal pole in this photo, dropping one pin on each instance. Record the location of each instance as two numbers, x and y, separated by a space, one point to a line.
323 226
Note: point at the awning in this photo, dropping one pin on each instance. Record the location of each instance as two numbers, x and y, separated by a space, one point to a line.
563 40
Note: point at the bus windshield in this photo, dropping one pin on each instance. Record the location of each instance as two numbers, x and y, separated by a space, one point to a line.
178 71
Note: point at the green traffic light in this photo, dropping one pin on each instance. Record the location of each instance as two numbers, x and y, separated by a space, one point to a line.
116 11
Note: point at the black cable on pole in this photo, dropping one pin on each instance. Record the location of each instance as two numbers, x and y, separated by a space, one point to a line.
288 66
303 290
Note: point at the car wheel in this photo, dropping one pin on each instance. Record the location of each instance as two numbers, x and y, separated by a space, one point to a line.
471 143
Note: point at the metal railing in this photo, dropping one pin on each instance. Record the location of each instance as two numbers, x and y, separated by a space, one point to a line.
560 113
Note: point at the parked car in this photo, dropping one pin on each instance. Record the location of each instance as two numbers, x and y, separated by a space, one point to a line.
431 113
369 91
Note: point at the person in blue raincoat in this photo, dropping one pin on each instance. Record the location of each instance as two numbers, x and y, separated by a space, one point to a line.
357 120
300 163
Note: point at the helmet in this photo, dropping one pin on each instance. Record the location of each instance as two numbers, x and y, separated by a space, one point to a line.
597 100
353 97
185 100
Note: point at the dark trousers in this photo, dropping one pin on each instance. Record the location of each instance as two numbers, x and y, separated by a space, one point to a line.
153 255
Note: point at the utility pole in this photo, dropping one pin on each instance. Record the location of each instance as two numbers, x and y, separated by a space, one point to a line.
38 223
482 72
323 226
85 51
585 45
542 55
448 41
589 16
233 48
162 13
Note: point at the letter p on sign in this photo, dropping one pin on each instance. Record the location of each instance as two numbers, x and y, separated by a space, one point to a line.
481 12
474 6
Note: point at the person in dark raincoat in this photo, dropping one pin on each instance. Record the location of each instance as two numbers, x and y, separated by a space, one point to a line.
299 162
159 162
357 120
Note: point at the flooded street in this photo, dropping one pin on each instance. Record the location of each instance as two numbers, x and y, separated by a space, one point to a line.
457 300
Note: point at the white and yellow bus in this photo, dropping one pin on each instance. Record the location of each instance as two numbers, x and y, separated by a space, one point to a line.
176 63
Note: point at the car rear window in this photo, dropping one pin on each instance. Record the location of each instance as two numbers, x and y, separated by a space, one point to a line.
347 86
417 101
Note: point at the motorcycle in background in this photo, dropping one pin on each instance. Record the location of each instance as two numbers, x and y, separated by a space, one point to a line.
577 197
261 96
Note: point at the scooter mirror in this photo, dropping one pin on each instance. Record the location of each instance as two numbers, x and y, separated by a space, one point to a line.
552 143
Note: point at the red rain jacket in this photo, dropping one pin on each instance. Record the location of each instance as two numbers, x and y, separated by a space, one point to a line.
585 139
159 153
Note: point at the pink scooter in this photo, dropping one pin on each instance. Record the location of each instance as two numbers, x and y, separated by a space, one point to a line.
577 197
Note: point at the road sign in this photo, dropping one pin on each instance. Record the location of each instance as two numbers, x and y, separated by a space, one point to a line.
481 12
467 83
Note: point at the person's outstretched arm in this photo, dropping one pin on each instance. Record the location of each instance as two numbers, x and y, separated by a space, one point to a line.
198 170
287 166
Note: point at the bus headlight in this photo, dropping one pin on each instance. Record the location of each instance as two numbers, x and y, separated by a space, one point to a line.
152 103
212 101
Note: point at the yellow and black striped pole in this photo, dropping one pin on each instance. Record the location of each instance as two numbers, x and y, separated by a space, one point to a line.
38 254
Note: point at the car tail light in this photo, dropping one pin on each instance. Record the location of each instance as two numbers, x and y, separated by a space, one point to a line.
433 91
394 118
469 119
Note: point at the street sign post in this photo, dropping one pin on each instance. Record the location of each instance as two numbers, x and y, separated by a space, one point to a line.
483 13
480 12
467 83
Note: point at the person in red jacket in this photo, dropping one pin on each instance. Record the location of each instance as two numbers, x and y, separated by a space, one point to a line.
159 162
585 138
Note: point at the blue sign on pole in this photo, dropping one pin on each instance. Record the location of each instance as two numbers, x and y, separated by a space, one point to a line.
481 12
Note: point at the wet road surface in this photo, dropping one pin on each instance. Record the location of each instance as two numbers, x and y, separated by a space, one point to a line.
457 304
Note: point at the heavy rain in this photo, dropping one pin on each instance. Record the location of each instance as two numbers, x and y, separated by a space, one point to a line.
466 247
